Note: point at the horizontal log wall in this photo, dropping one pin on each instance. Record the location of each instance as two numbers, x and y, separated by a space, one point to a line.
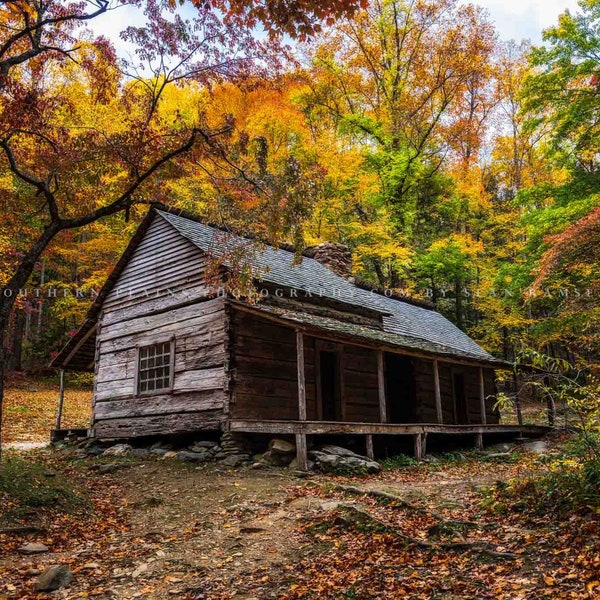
188 315
265 372
361 388
423 372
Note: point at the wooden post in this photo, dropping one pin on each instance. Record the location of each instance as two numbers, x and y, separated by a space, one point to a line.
369 445
479 441
482 397
381 385
61 399
517 399
301 377
438 393
420 445
301 452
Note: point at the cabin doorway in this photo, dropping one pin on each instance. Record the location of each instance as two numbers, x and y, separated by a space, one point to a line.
461 412
399 389
329 388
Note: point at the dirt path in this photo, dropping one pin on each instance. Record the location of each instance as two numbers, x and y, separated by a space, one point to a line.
198 533
204 533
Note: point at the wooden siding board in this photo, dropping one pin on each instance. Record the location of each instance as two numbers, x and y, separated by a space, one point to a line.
159 405
195 321
159 424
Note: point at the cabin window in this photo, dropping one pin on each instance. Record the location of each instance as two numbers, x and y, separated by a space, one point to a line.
155 368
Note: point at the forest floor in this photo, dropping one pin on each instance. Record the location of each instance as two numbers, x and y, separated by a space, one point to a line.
159 528
30 408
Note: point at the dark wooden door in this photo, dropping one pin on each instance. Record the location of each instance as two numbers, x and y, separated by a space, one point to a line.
461 409
399 389
329 374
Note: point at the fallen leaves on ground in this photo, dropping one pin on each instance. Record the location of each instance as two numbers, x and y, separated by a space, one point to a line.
161 529
30 409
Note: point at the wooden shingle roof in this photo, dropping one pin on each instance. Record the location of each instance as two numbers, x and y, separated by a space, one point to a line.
405 324
414 326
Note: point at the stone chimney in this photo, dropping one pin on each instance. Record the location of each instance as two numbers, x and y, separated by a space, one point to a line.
336 257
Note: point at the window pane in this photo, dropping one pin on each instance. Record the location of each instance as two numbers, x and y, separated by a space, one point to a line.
154 368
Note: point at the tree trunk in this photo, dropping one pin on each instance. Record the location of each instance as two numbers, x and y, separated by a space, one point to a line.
18 281
379 272
2 358
14 360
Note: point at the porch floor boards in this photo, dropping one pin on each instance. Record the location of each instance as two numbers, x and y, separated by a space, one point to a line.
336 427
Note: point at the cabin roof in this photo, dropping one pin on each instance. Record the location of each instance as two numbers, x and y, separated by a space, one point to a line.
405 323
348 330
409 325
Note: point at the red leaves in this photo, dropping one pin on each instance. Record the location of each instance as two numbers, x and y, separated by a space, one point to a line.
298 19
579 243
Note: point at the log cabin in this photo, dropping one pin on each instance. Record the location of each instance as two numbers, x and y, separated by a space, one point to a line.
304 350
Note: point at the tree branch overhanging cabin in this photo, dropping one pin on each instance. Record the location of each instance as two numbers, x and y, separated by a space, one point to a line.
316 354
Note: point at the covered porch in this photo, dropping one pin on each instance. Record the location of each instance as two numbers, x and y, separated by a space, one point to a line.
418 431
405 391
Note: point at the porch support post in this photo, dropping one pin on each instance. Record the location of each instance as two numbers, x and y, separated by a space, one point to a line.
482 397
420 445
301 452
438 393
61 399
301 377
369 445
479 441
301 446
381 384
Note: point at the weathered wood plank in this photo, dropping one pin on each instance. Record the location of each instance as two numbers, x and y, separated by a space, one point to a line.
301 378
438 393
159 424
199 380
153 260
159 405
381 387
212 329
331 427
483 410
190 354
369 447
301 452
183 293
479 441
203 312
185 381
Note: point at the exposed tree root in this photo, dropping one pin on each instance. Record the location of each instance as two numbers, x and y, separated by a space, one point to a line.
20 529
362 518
399 502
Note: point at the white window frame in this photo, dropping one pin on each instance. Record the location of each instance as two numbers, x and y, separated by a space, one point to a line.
171 363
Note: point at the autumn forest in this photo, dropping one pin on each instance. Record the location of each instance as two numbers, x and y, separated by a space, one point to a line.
463 176
461 169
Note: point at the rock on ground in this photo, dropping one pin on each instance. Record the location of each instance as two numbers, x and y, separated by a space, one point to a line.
198 457
334 459
119 450
54 578
539 447
280 454
33 548
233 460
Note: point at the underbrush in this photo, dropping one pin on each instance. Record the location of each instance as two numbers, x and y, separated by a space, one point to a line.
570 482
29 484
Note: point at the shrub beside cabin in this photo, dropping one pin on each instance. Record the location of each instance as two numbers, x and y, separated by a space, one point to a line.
315 355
